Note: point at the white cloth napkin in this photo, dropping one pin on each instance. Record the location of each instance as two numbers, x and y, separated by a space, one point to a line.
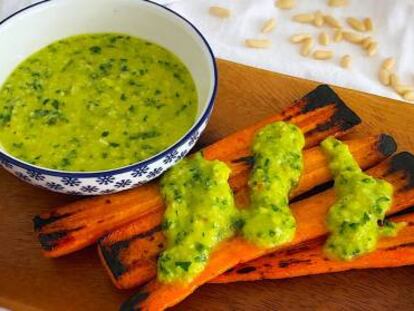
394 30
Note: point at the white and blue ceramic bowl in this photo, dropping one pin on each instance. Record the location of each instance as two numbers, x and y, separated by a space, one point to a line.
43 23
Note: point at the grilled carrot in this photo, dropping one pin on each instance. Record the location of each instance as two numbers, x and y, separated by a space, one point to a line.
74 226
308 258
310 216
130 253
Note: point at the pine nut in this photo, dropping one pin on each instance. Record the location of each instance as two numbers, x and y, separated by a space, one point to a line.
369 25
372 48
219 12
388 63
345 61
285 4
366 42
304 18
269 25
318 22
323 38
331 21
402 89
306 47
353 37
384 77
394 80
257 43
299 37
322 54
338 35
409 96
356 24
337 3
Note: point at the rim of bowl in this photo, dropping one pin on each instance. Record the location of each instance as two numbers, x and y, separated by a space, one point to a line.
206 114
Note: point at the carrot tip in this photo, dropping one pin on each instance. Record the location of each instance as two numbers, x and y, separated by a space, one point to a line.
39 222
323 95
387 145
132 303
404 161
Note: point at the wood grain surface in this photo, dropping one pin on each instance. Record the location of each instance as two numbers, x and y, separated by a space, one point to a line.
29 281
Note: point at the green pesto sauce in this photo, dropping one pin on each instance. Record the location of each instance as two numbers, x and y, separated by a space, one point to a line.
277 151
95 102
356 220
200 214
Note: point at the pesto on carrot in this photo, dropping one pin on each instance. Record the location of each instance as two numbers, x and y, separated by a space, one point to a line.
356 220
278 165
200 214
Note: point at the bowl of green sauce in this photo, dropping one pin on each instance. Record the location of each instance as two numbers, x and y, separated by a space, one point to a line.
100 96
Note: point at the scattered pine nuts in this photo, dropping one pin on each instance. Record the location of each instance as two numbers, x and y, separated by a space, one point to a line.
331 21
258 43
353 37
409 96
219 12
384 76
300 37
338 35
322 54
269 25
337 3
345 61
304 18
402 89
356 24
369 25
372 48
394 80
323 38
388 63
318 22
285 4
306 47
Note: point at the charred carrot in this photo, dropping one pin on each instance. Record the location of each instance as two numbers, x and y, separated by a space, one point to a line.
129 253
310 216
308 258
71 227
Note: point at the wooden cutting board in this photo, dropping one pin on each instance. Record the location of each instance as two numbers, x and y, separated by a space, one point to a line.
29 281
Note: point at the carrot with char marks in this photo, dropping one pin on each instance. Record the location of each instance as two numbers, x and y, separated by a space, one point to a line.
309 259
74 226
130 253
310 215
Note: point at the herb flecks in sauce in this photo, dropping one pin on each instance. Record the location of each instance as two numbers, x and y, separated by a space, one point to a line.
200 214
84 93
278 164
356 220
